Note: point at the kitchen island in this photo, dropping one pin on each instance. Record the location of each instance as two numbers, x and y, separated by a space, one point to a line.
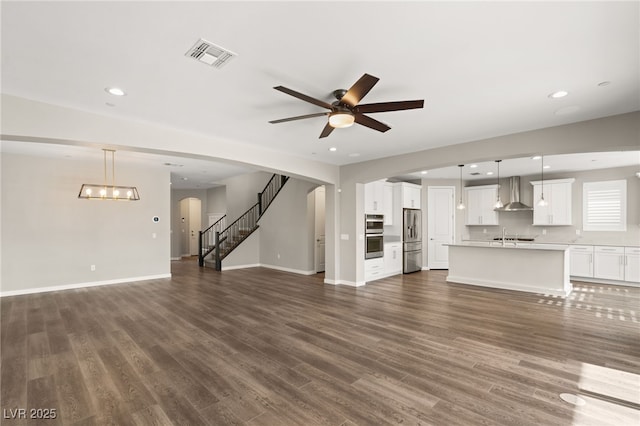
535 268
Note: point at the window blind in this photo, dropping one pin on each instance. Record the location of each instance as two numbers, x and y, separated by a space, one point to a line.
604 206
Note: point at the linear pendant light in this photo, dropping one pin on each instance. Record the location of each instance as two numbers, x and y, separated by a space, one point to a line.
461 205
498 204
92 191
542 202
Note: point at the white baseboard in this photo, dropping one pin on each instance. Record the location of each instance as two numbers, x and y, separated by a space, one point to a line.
509 286
81 285
603 281
232 267
343 282
295 271
176 258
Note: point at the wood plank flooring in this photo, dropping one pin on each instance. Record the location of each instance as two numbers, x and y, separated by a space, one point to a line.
264 347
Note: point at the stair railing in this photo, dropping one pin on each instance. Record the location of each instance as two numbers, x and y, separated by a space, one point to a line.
206 242
271 189
222 241
230 237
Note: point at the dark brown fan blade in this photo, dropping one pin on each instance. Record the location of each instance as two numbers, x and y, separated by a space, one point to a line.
299 117
388 106
326 131
370 122
303 97
359 90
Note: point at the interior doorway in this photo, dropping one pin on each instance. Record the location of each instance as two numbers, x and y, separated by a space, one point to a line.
440 225
190 225
318 196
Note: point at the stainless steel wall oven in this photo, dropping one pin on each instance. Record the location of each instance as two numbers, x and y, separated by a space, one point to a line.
374 239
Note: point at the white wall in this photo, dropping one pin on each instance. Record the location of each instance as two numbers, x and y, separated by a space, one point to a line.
50 238
242 192
216 200
285 240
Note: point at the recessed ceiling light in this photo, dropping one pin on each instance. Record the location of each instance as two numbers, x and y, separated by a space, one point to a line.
604 83
536 157
115 91
424 172
559 94
185 178
489 173
473 166
546 167
333 149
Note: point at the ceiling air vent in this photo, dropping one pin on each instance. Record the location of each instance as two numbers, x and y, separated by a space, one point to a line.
210 54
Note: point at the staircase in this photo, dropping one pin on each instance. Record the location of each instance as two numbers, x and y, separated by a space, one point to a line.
218 241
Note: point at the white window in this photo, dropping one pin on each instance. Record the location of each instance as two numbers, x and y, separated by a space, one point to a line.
604 206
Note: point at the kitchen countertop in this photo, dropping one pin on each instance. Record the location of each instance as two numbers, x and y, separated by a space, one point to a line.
511 245
574 242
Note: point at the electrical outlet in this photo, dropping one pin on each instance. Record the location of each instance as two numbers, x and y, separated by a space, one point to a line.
544 232
93 268
484 230
578 232
278 255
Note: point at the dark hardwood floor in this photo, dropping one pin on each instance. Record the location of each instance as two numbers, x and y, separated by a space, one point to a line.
259 346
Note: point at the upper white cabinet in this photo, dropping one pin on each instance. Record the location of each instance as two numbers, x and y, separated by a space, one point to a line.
609 263
581 261
410 195
480 205
374 197
387 200
632 264
557 194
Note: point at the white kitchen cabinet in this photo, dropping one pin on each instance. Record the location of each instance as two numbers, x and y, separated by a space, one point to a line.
609 263
410 195
557 194
392 258
632 264
480 205
387 203
373 269
374 197
581 261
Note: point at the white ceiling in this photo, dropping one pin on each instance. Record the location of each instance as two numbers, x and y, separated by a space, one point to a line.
532 166
484 68
186 172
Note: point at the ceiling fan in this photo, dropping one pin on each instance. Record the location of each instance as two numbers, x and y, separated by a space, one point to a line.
345 110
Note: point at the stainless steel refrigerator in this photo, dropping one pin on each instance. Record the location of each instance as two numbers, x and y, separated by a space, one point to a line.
411 241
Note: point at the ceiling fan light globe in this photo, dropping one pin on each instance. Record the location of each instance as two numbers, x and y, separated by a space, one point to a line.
341 120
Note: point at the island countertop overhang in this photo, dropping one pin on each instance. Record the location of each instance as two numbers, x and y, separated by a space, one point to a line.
511 246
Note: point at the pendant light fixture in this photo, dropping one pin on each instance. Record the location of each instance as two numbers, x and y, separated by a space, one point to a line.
91 191
498 204
461 205
542 202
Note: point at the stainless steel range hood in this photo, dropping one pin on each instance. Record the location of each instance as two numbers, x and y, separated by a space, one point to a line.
514 204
